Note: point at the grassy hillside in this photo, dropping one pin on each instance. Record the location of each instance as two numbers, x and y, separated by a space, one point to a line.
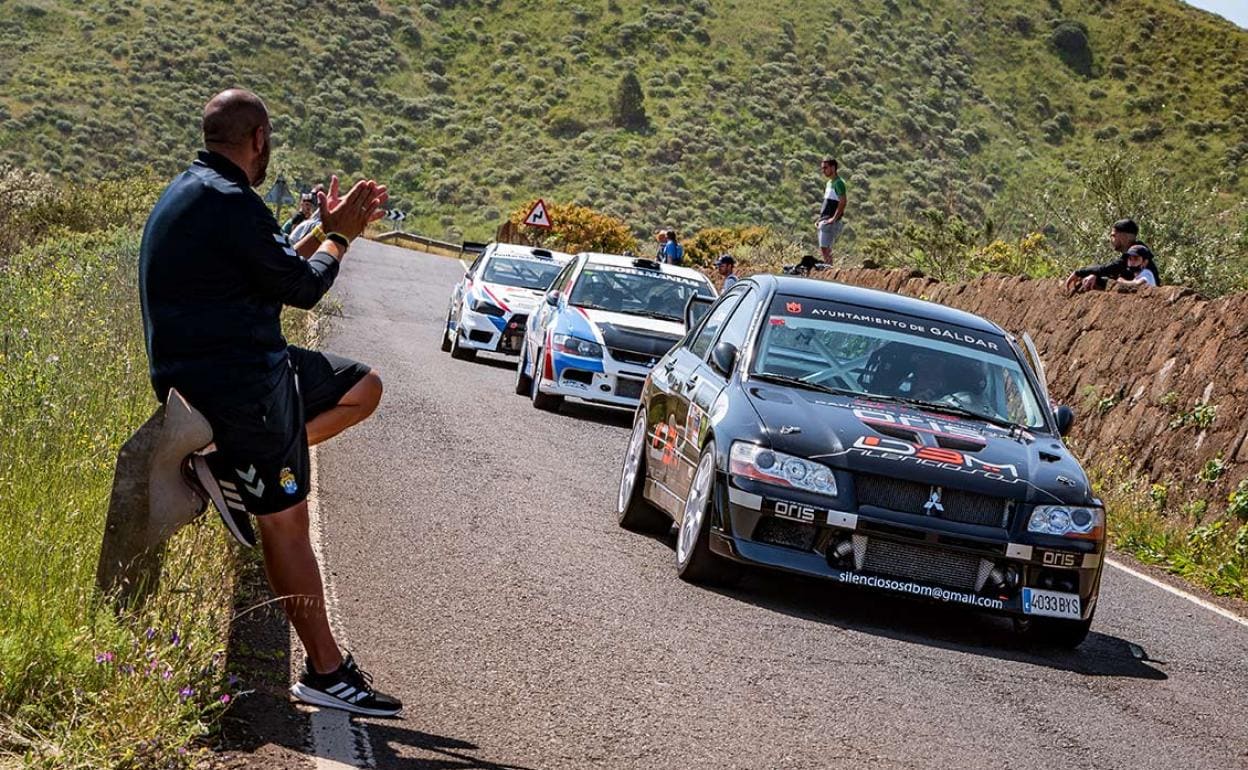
469 108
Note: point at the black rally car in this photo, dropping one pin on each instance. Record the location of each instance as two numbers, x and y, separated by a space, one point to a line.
871 439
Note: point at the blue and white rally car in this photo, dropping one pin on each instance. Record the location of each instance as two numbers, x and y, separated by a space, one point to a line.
491 306
605 322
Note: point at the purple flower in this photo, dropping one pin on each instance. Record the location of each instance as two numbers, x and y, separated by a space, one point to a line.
127 669
104 657
232 680
167 674
174 639
185 693
151 634
225 698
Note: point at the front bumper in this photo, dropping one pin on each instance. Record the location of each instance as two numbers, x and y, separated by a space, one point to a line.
493 334
977 567
600 380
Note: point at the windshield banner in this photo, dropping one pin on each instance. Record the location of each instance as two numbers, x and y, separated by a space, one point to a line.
804 307
680 279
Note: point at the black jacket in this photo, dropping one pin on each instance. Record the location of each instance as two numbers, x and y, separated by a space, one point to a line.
1118 268
214 272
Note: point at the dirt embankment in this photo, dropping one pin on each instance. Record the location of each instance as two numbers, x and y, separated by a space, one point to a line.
1160 376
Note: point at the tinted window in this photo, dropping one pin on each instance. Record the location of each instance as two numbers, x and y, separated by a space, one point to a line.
560 283
637 291
872 352
713 323
738 326
524 273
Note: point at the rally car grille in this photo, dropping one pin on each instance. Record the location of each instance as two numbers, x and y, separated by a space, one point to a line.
935 566
632 357
792 534
913 497
626 387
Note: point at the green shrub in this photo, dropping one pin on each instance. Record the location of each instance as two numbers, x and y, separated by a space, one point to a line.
1070 40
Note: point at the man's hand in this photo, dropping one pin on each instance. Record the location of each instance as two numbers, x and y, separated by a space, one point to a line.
351 214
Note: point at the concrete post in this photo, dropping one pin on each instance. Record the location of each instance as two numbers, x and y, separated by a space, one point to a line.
150 500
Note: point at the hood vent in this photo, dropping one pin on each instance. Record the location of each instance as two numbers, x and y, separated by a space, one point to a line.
771 394
1049 457
963 443
895 431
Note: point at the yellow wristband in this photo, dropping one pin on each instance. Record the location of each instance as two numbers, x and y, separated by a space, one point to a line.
318 233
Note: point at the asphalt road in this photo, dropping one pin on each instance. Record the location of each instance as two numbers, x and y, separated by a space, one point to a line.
482 578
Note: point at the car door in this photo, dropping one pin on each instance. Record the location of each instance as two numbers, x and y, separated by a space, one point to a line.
544 315
706 382
465 283
679 373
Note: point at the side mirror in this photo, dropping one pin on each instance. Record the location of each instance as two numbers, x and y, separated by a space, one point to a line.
552 297
1065 417
695 309
724 357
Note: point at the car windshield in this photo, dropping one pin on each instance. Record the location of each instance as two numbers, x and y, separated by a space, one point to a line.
877 354
525 273
636 291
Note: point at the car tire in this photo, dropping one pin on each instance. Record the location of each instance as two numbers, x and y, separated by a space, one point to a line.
695 562
446 335
633 511
460 352
1054 632
544 401
524 383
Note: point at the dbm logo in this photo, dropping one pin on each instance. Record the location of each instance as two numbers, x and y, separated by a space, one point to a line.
928 455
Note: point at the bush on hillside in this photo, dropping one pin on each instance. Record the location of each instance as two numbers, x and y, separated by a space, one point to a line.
628 110
1070 40
705 246
576 228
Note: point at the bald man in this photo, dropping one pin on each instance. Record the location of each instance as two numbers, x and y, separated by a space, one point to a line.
215 271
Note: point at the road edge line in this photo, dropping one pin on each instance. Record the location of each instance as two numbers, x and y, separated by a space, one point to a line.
1193 598
337 742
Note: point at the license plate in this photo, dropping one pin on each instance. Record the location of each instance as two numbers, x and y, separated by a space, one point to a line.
1051 603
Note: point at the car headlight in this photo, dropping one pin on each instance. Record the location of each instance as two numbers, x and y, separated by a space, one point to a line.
763 464
1068 521
481 305
575 346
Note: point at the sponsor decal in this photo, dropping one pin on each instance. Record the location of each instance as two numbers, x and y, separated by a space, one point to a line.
795 511
920 423
287 480
1059 559
648 273
883 447
909 324
917 589
793 307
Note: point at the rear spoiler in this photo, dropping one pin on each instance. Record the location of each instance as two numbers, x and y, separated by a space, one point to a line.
472 247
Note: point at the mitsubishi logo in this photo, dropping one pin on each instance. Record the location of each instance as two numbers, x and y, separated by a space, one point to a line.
933 505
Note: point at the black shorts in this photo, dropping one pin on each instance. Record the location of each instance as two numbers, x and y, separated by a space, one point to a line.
260 431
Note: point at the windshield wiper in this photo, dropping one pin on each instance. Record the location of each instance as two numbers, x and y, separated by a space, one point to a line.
784 379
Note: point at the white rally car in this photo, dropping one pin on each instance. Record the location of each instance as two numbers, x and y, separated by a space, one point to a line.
492 304
604 323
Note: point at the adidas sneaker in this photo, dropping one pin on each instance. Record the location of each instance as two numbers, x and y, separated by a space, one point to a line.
349 689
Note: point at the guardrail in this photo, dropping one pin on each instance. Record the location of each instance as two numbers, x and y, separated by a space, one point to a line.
423 243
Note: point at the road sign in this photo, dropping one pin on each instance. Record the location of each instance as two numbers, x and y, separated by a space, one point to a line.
395 215
538 216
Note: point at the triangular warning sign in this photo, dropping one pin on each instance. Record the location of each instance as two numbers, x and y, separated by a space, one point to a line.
537 216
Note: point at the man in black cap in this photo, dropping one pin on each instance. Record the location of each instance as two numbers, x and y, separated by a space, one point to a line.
726 266
1122 239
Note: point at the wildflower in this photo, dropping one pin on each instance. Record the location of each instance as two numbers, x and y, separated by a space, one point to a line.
232 680
174 639
151 633
52 359
104 657
225 698
186 692
167 674
127 669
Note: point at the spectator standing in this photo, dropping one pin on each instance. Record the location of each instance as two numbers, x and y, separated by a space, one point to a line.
215 271
306 204
661 237
726 266
673 253
1122 238
830 221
